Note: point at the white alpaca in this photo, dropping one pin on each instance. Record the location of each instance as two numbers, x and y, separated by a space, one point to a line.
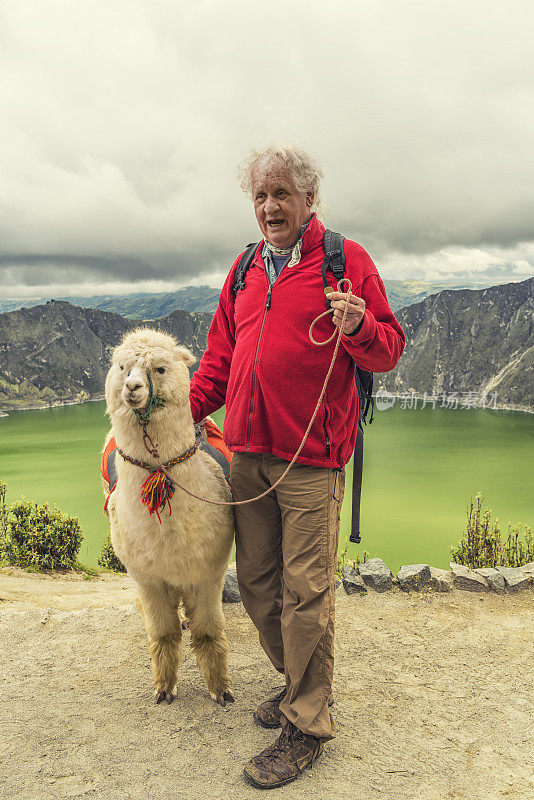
183 558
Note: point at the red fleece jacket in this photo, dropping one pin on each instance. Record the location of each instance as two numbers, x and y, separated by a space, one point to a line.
261 363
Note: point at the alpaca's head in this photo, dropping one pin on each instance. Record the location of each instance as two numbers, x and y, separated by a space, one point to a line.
145 352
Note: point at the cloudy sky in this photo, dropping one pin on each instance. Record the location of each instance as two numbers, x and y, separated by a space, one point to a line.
123 122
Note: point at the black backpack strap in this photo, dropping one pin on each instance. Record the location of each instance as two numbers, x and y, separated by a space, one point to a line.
334 258
364 384
243 266
357 471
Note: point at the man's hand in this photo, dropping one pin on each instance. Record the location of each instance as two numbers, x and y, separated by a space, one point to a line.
338 301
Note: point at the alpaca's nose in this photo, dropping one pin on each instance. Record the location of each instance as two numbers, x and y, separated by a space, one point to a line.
132 384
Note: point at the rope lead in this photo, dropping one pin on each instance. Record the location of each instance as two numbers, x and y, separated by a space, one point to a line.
336 348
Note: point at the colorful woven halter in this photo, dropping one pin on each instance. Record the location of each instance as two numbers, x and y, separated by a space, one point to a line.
143 416
150 468
158 488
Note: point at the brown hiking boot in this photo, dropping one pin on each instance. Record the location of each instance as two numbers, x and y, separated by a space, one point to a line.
284 760
268 713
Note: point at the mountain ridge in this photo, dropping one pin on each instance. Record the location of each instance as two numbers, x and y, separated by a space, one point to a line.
152 305
458 340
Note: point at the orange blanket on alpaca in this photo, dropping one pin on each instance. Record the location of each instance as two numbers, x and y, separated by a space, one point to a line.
215 438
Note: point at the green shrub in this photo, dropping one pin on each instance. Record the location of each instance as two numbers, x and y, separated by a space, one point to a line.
3 512
107 558
39 537
482 545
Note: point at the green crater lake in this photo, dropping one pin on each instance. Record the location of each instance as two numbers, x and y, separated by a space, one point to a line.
421 466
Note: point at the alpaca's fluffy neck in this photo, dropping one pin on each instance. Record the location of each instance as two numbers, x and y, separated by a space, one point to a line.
171 428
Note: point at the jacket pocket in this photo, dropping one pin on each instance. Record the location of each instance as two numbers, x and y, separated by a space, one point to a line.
328 443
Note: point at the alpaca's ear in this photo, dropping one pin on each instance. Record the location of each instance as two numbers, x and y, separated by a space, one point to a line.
184 355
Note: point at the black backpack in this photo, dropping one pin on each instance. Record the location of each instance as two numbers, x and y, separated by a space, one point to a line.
334 259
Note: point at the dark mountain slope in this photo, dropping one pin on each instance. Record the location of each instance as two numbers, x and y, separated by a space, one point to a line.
58 352
465 340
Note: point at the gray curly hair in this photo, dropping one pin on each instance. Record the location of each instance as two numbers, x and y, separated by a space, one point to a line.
303 167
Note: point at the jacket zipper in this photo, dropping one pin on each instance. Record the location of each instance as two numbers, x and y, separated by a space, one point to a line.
327 440
267 306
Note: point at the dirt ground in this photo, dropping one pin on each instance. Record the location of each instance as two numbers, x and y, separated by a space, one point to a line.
434 700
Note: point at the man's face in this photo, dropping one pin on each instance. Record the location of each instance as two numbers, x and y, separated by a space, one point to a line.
281 210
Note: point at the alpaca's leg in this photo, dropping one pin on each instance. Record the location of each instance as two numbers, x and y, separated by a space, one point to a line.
208 640
162 623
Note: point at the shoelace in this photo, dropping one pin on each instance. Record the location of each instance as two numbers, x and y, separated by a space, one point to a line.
290 733
288 736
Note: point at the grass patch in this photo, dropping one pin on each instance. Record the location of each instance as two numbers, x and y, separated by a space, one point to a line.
343 560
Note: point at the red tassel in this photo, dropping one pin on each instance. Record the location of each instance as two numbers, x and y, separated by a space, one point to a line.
157 491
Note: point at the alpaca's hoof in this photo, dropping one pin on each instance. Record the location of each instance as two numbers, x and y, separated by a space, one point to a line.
168 696
223 697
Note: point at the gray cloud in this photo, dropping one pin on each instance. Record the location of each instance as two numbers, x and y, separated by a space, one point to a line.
36 270
125 122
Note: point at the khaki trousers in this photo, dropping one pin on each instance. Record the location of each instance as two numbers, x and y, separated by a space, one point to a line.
286 555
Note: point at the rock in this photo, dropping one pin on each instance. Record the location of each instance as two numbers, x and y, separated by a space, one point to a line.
376 574
514 577
493 577
467 579
231 589
413 576
528 569
441 579
352 582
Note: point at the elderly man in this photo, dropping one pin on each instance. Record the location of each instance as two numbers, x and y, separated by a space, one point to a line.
262 364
